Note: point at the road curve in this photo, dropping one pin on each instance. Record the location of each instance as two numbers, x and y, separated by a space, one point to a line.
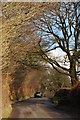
36 108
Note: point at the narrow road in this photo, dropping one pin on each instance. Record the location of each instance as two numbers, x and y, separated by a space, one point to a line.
36 108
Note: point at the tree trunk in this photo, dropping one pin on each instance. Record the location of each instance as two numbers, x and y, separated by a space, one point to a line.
73 74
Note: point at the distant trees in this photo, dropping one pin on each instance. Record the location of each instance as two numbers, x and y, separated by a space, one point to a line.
60 28
53 80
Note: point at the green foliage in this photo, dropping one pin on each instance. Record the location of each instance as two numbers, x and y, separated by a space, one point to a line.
55 100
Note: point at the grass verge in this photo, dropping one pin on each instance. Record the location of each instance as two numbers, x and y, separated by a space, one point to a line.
7 112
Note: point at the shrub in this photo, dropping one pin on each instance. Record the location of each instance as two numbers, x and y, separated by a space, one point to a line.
74 95
63 92
62 96
69 96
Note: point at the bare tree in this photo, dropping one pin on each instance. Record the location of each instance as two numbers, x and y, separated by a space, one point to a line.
60 28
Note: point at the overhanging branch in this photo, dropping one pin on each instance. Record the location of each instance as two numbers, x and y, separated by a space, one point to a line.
52 62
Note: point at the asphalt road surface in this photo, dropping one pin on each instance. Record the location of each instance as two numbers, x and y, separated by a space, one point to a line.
36 108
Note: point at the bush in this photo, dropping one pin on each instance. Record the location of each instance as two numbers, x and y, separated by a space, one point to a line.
67 96
61 96
63 92
74 94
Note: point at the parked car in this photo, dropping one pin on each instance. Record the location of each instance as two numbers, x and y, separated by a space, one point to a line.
38 94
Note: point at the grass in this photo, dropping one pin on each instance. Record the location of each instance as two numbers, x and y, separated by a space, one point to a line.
55 100
7 112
